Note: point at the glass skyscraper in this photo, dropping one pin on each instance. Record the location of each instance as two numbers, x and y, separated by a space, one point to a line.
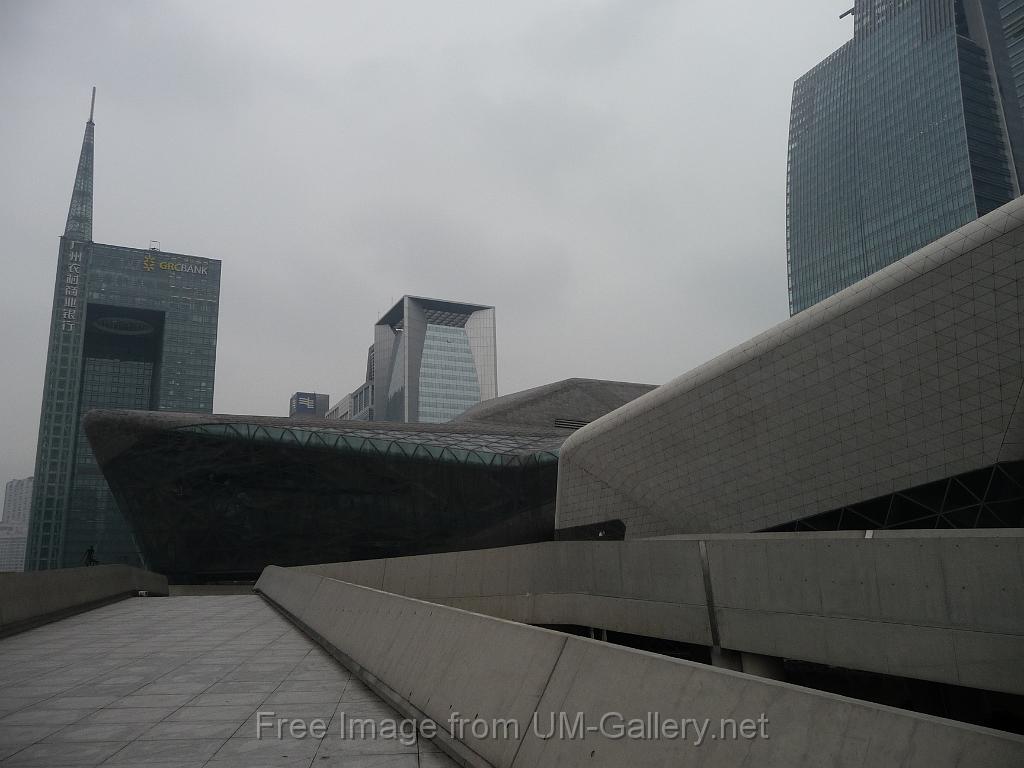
907 132
129 328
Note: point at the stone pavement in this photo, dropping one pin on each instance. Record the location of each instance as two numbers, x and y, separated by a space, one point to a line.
176 682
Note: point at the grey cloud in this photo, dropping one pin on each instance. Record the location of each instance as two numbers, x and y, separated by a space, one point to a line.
610 175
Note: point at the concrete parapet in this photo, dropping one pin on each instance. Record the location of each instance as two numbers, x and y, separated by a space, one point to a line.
431 660
36 597
428 660
648 588
932 605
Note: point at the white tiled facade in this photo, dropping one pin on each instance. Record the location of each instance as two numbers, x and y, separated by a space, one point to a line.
909 376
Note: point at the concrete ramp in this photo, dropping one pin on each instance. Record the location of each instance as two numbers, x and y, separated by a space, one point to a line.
37 597
507 695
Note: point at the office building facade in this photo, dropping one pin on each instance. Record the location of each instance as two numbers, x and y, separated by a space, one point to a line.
907 132
340 410
357 405
309 405
14 524
13 538
130 328
17 501
430 360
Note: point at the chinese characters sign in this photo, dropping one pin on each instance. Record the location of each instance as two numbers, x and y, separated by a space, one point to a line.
72 276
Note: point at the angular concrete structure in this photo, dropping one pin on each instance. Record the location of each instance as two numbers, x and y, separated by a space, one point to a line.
831 598
895 403
433 662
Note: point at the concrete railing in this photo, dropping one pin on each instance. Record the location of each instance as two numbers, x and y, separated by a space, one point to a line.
443 664
36 597
933 605
644 588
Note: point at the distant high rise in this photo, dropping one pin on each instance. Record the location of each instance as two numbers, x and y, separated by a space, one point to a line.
129 328
17 501
907 132
309 404
430 361
433 359
14 524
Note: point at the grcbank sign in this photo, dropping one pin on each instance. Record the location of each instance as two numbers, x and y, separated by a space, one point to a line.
150 264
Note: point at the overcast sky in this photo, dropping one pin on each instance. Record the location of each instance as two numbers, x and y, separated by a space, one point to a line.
609 174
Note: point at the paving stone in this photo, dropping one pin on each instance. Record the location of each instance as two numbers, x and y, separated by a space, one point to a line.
175 683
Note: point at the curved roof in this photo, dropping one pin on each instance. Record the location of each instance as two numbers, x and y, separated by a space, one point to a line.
910 376
563 405
112 432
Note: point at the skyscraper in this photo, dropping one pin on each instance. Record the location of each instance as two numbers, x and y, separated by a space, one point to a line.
129 328
14 524
433 359
430 360
907 132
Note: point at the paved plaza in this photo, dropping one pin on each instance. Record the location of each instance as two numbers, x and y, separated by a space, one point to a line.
176 682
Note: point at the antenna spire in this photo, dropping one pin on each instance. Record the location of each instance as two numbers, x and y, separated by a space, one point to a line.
79 224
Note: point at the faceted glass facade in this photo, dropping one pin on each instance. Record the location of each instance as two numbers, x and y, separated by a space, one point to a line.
222 496
895 139
992 497
1011 14
130 328
224 500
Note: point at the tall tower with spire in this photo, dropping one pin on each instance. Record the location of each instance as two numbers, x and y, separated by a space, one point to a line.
129 328
79 225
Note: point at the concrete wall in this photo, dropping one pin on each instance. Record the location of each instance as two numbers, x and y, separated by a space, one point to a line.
912 375
932 605
923 604
35 597
645 588
431 660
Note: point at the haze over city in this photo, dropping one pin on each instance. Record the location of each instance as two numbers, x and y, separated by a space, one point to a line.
521 385
610 176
